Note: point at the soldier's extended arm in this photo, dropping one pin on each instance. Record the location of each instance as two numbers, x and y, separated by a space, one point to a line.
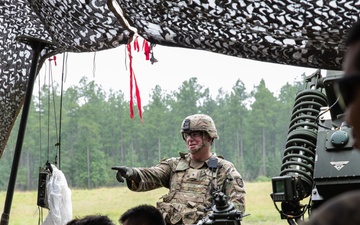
144 179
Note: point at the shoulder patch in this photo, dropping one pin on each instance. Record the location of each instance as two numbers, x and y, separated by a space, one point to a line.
240 181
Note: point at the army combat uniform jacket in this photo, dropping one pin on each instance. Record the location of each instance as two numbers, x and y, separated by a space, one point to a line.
190 184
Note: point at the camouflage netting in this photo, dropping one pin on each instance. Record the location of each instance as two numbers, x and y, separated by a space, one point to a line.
293 32
71 26
306 33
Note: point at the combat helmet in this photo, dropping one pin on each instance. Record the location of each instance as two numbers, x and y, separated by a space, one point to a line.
199 122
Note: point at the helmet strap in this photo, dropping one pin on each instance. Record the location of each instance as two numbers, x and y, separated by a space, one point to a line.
207 144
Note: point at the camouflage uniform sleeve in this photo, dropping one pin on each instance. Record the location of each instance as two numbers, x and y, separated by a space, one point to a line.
153 177
235 189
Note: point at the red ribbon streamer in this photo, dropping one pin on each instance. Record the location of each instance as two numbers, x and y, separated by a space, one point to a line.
138 99
136 44
137 92
146 49
53 58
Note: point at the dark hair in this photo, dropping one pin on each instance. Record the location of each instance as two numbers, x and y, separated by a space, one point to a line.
353 34
142 215
91 220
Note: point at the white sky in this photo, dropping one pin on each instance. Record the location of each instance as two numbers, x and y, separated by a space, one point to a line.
174 66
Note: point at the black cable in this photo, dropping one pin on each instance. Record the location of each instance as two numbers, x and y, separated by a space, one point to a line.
40 219
54 105
63 74
58 130
48 125
305 209
39 106
320 114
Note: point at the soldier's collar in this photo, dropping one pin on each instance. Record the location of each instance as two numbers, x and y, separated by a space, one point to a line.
183 155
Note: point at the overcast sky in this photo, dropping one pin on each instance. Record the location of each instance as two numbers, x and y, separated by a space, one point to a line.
174 66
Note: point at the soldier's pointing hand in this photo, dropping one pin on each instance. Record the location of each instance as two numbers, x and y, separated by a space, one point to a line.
124 172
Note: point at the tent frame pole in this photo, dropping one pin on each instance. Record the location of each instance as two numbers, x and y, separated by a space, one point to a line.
37 46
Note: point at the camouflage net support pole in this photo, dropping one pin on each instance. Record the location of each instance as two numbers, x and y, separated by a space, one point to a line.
37 46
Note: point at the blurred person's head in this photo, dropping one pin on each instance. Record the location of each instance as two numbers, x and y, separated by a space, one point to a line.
350 83
91 220
142 215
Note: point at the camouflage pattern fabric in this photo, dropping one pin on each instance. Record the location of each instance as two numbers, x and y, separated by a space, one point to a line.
189 187
298 33
304 33
198 122
341 210
70 26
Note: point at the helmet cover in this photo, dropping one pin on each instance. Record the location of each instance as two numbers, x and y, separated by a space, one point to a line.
199 122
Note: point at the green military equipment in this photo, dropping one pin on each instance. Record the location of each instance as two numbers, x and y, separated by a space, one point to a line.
320 161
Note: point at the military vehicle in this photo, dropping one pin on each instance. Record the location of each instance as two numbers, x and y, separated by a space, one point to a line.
319 160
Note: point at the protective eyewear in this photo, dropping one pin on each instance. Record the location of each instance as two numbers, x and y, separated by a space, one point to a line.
193 135
346 89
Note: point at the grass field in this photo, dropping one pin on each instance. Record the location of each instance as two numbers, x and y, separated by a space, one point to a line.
114 201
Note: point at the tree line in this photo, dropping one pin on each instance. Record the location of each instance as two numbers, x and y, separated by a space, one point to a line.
86 130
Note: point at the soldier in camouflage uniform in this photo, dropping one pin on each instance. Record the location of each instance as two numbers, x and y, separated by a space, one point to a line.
188 177
345 208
